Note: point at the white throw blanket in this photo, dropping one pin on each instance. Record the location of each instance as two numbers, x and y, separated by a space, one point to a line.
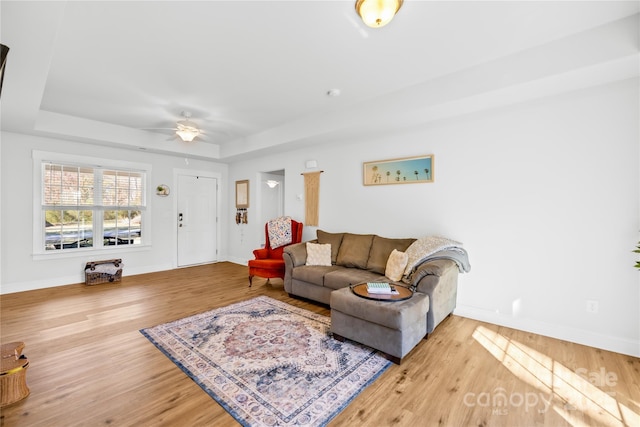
279 231
425 247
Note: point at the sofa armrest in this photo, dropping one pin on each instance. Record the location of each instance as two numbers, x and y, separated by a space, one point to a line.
437 267
297 254
294 256
438 279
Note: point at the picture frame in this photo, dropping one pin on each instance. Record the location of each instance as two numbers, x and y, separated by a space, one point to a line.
407 170
242 194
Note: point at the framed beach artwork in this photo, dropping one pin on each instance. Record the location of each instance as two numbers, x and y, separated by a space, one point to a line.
408 170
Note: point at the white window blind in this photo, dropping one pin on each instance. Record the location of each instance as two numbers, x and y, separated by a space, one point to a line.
82 202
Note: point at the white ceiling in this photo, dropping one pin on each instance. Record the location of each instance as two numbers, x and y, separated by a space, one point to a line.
255 74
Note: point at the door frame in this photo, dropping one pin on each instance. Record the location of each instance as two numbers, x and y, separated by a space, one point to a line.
261 178
206 174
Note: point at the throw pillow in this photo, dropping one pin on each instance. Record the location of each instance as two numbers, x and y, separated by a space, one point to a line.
381 249
396 264
318 254
334 239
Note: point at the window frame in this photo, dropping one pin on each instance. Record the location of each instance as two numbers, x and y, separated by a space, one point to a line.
40 158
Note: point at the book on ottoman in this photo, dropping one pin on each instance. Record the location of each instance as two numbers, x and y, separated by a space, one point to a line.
381 288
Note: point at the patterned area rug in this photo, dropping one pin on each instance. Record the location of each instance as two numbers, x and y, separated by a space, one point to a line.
269 363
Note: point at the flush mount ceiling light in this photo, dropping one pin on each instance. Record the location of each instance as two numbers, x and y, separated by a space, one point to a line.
272 183
377 13
186 129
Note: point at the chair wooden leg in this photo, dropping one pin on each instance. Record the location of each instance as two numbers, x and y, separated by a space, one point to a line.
250 281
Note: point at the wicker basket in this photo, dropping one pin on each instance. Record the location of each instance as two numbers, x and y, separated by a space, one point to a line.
96 272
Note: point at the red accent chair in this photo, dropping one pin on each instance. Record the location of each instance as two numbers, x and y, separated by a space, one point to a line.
269 262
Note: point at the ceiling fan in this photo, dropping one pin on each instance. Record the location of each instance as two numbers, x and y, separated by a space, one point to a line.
185 129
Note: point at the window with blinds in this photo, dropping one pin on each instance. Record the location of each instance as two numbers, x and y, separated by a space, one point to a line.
91 207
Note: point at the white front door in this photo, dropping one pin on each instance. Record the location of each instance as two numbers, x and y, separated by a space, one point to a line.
197 211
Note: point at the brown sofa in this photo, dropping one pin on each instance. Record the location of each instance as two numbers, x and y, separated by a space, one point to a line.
358 258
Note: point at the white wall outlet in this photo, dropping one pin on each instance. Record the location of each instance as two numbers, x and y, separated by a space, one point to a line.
592 306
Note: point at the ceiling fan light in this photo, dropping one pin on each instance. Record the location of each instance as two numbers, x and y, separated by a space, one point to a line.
377 13
186 131
186 136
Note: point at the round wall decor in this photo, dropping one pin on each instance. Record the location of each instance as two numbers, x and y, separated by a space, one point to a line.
162 190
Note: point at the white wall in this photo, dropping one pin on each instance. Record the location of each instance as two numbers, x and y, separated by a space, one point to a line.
544 195
20 271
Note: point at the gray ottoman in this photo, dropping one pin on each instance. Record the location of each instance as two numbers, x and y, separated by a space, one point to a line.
393 327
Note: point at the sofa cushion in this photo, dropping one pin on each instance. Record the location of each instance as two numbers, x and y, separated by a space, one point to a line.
381 248
342 277
354 250
312 273
318 254
396 264
334 239
267 263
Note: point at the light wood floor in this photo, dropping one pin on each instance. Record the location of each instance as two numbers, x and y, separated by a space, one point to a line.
90 366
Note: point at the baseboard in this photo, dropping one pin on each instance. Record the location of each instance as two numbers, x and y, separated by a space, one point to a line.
579 336
10 288
240 261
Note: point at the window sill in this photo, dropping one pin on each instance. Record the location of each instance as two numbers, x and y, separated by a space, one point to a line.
90 252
